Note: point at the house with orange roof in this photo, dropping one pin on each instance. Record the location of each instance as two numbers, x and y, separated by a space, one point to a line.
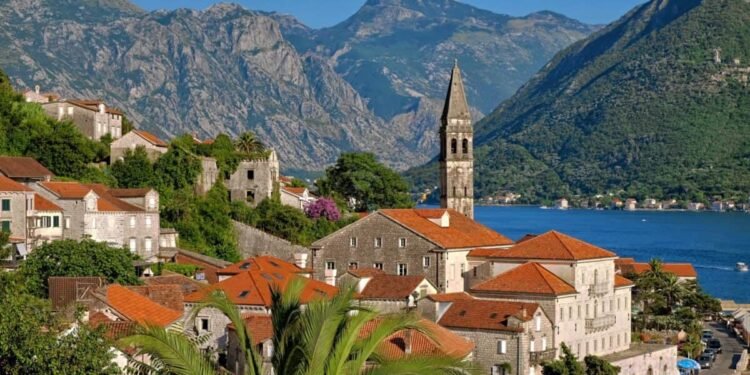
388 293
507 334
24 169
120 217
574 282
297 197
37 96
119 303
248 284
683 271
91 116
432 243
150 143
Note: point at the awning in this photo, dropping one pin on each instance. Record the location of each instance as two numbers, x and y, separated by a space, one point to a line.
688 364
21 248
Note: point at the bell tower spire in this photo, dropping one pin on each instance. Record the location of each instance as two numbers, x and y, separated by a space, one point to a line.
456 149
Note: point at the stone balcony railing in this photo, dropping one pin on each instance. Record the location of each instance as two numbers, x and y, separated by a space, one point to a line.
600 323
537 358
599 289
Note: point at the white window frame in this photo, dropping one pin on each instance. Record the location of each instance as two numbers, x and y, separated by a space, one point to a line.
544 343
148 221
378 242
405 269
148 244
378 265
538 322
133 245
131 221
532 345
353 241
67 222
502 347
330 265
402 243
426 262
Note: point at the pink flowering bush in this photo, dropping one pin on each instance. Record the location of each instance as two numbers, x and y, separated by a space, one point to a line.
323 207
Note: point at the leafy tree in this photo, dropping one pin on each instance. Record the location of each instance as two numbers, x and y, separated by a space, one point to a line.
567 365
372 185
598 366
283 221
323 208
134 170
73 258
177 169
127 125
227 157
296 182
250 146
323 338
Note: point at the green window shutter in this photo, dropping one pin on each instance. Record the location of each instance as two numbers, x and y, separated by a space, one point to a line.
6 204
56 221
6 225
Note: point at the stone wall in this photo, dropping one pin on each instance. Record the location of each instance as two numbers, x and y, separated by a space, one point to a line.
639 359
254 180
252 242
131 141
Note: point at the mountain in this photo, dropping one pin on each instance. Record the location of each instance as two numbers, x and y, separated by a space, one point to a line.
641 106
311 94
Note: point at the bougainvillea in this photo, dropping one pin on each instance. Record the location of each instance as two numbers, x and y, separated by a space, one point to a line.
323 207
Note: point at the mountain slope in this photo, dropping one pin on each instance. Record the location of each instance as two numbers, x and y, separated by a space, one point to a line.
640 105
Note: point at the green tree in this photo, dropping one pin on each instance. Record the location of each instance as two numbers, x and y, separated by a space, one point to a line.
73 258
322 338
250 146
598 366
135 170
177 169
227 157
372 185
567 364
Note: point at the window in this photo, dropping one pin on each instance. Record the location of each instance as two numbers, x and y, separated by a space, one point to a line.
250 196
532 345
570 312
611 305
463 269
250 174
56 221
544 343
67 222
502 347
70 111
423 291
562 314
132 245
402 242
147 244
5 225
465 146
353 242
579 312
538 322
466 191
204 324
330 265
148 222
353 265
91 204
378 266
6 205
426 262
401 269
132 221
151 202
454 146
378 242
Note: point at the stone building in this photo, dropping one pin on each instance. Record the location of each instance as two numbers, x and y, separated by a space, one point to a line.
92 117
209 175
94 211
456 149
297 197
25 170
387 293
254 180
574 283
432 243
153 146
509 337
37 96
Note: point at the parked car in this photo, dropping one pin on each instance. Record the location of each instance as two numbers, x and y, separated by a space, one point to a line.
705 361
707 335
714 345
710 353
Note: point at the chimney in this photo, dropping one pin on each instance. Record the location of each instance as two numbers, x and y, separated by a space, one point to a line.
330 277
407 341
523 312
101 108
443 221
300 259
37 89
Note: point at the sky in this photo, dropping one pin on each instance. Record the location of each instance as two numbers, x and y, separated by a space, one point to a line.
323 13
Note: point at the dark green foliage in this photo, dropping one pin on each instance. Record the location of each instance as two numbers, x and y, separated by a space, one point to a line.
296 182
134 170
360 176
177 169
598 366
567 364
183 269
227 158
31 340
73 258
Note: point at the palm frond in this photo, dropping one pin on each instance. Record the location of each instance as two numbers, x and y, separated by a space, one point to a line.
423 365
170 349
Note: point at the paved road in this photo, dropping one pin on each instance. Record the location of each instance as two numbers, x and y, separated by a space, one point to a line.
731 348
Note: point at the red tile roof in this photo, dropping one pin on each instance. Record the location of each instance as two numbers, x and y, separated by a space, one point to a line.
450 297
76 190
298 191
169 296
390 287
487 314
64 290
186 284
6 184
260 327
259 263
622 281
93 105
528 278
439 342
138 308
43 204
67 190
366 272
678 269
461 232
130 193
23 167
552 245
150 137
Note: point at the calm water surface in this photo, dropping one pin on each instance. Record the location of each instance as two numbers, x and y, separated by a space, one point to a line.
712 242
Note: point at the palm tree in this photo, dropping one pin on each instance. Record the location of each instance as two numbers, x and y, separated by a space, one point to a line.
249 145
325 337
672 289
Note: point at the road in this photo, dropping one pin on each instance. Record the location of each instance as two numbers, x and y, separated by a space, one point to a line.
731 349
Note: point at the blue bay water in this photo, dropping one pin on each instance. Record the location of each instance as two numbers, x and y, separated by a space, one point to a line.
713 242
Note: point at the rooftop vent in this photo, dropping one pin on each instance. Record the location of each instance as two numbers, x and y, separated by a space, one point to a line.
245 266
444 221
244 293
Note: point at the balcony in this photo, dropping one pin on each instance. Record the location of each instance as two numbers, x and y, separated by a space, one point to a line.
599 289
537 358
600 323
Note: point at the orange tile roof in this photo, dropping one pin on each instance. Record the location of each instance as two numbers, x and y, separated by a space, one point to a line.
260 327
43 204
366 272
462 232
439 342
108 202
6 184
624 261
299 191
23 167
130 193
621 281
487 314
253 285
150 137
138 308
678 269
528 278
553 245
259 263
449 297
67 190
93 105
390 287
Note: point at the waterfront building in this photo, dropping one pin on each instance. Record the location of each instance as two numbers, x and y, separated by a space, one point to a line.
387 293
92 117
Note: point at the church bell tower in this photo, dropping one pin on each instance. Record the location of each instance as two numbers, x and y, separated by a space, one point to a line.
456 149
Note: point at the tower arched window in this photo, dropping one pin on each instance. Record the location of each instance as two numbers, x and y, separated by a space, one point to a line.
454 191
466 191
454 146
465 146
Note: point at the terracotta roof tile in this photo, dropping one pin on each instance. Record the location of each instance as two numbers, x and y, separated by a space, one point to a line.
411 342
298 191
108 202
130 193
552 246
169 296
260 263
461 232
678 269
6 184
528 278
487 314
150 137
43 204
260 327
621 281
449 297
186 284
67 190
65 290
138 308
93 105
365 272
390 287
23 167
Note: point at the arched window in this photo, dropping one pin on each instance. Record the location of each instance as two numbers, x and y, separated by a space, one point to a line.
454 146
466 191
465 146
